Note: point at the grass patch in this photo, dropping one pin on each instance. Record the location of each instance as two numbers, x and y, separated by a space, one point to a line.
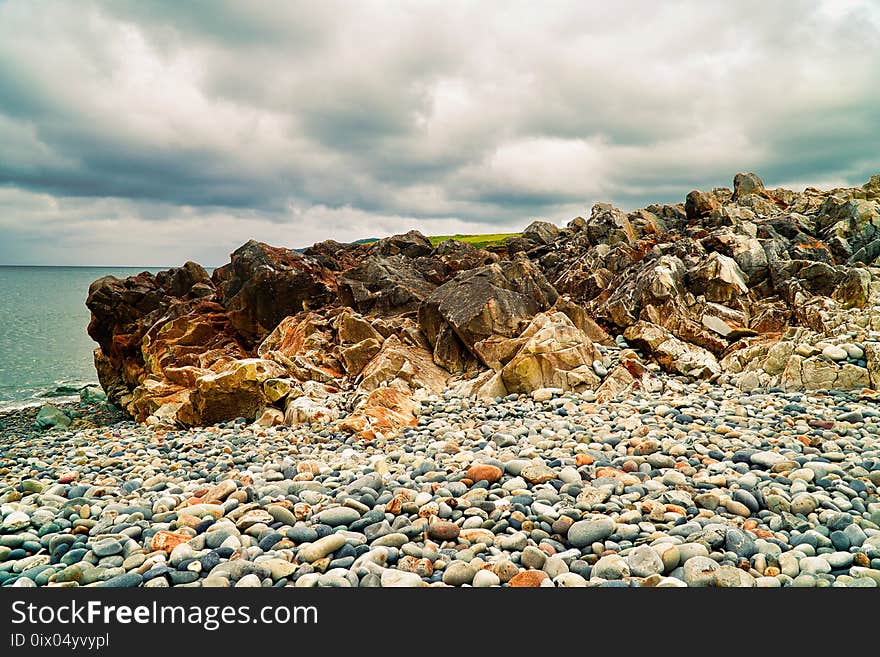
477 241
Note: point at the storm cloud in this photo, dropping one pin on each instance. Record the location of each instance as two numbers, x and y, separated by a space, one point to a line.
151 133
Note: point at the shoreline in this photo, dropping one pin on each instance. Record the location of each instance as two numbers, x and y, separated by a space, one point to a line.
708 486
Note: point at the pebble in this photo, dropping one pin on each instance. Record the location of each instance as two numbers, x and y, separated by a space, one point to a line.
667 489
586 532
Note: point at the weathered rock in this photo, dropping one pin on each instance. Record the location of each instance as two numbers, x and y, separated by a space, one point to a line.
672 354
495 300
263 284
235 392
554 354
397 364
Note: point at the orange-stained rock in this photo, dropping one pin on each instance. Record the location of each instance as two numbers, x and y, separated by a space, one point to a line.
167 541
484 472
583 459
528 579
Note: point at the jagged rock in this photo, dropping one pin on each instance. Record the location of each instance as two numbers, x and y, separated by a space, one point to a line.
854 289
237 391
582 320
718 278
412 245
745 184
609 225
700 204
650 283
382 411
672 354
305 410
303 344
630 374
496 299
384 284
402 366
764 280
542 233
554 354
270 417
356 357
277 389
851 228
353 328
263 284
336 256
817 373
872 355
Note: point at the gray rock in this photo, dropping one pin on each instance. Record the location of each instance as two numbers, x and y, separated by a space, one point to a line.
336 516
586 532
643 561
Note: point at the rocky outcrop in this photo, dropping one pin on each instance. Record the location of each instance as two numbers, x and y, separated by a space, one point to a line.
481 306
263 284
554 354
754 286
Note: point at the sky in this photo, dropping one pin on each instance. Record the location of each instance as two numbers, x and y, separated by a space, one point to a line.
151 133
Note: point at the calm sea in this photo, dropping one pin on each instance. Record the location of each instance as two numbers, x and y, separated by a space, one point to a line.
45 351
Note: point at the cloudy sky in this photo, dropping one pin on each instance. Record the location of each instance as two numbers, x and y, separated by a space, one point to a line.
149 133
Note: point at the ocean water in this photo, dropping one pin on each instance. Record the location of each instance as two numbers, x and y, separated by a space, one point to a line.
45 352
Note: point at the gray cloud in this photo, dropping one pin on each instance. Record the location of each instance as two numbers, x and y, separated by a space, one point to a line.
148 133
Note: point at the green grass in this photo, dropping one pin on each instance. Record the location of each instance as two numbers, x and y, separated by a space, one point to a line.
478 241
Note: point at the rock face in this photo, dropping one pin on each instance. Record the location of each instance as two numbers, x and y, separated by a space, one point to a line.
753 286
483 305
554 354
262 285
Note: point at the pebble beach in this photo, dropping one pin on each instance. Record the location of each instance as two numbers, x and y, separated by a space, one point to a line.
704 485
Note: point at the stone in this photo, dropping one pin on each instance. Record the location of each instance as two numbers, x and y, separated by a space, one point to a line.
51 417
336 516
392 578
458 573
528 579
533 558
320 548
612 567
835 352
485 579
484 472
644 561
586 532
538 473
443 530
700 571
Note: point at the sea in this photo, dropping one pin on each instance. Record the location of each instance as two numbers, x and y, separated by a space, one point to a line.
45 351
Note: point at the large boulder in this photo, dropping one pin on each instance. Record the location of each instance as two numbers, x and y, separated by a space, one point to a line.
609 225
494 300
541 233
554 354
263 284
718 278
745 184
672 354
236 391
402 366
382 284
124 310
